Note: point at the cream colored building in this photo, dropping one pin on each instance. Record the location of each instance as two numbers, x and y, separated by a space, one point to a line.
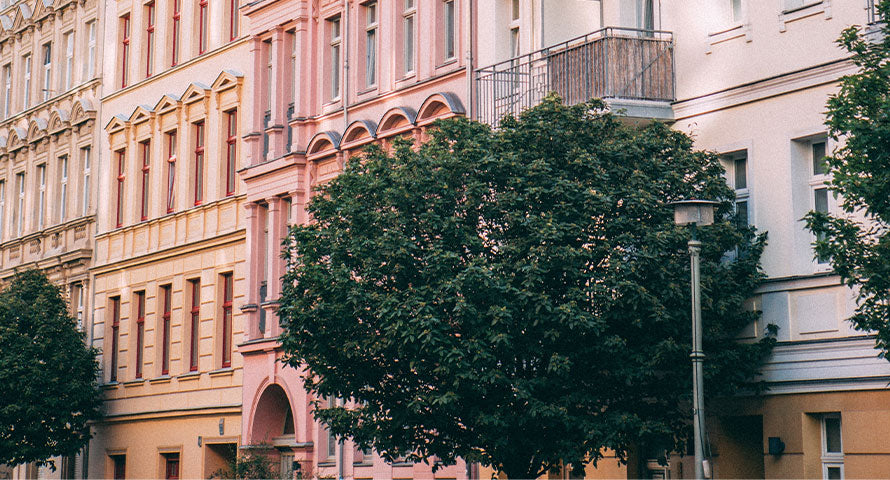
169 269
50 82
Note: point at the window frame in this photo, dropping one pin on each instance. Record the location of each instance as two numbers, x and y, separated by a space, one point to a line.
26 75
335 39
2 209
7 90
85 168
115 337
140 332
150 21
818 183
20 204
194 322
145 146
409 38
125 46
176 20
372 29
90 67
41 196
234 23
63 187
166 294
121 184
203 26
228 293
831 459
171 170
198 161
47 49
67 77
449 35
231 150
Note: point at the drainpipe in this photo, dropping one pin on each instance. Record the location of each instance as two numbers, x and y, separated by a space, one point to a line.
345 83
471 103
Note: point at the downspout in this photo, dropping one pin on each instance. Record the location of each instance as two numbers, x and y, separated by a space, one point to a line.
471 103
345 83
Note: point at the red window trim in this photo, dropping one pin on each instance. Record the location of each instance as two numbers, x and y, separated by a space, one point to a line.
202 27
149 44
194 314
115 331
233 19
177 15
231 151
227 320
125 48
166 293
146 161
199 162
121 159
171 170
140 331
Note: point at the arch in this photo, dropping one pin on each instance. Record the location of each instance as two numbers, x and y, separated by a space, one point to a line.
82 111
58 120
36 129
397 118
323 141
226 80
271 412
359 130
440 104
17 138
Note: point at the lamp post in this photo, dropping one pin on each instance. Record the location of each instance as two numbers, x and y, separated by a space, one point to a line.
695 213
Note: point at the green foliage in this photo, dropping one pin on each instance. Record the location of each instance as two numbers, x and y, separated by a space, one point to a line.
249 466
48 376
857 241
518 297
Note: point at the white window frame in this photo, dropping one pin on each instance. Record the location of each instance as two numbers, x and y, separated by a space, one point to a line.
85 187
817 182
41 195
90 67
513 27
7 89
335 34
68 76
831 459
47 50
2 209
26 98
409 37
743 194
449 35
63 187
20 213
372 14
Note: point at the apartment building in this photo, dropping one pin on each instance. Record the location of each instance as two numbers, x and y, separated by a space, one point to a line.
49 96
169 259
331 77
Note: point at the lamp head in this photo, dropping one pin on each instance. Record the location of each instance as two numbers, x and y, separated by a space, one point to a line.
698 212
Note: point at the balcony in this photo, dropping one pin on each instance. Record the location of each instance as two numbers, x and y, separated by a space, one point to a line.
632 70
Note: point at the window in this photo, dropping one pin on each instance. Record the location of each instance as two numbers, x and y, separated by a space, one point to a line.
408 15
818 183
194 321
735 11
328 440
47 71
371 44
231 146
199 162
736 166
85 187
26 98
89 69
167 304
334 30
149 37
233 19
171 466
514 28
68 73
77 307
176 8
2 208
791 5
7 89
448 13
41 195
832 447
119 466
140 331
63 188
125 47
146 169
267 115
121 164
20 204
115 335
171 170
227 296
202 26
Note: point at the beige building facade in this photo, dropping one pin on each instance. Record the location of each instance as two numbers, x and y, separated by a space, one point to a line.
169 269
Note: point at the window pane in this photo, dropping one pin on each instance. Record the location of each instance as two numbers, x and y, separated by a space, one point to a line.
515 12
741 213
819 165
821 199
833 435
736 10
834 473
741 173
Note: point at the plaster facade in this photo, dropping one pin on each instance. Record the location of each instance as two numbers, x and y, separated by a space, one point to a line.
169 259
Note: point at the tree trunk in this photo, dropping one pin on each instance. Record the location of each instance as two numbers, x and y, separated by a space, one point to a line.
520 468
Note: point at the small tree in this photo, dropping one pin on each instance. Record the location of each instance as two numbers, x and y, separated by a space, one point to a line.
48 376
858 242
518 297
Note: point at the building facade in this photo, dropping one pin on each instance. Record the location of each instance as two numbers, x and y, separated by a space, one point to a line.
50 87
331 77
169 257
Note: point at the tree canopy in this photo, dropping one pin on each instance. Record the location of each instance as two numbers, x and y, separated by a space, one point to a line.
856 239
48 376
518 297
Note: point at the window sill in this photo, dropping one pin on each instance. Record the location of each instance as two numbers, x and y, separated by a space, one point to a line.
222 372
366 91
189 376
735 31
327 463
363 463
804 11
161 379
447 62
110 385
134 383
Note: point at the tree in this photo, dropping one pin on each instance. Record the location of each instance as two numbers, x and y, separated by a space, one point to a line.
857 240
518 297
48 375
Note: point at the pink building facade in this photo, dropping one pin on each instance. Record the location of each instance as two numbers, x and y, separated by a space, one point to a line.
330 78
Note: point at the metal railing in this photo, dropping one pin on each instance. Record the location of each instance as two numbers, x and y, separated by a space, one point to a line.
609 63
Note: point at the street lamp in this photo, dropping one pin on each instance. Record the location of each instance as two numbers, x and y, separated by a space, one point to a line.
696 213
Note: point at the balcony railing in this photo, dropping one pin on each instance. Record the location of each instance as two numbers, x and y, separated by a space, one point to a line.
611 63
